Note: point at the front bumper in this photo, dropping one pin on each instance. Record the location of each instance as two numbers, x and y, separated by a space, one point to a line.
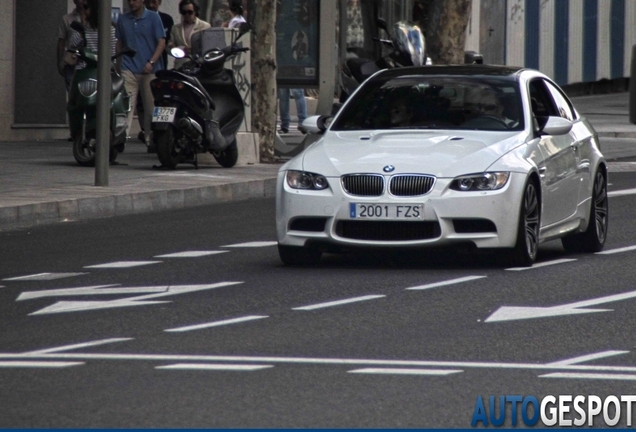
487 219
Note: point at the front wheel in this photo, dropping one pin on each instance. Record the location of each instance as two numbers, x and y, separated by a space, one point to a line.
167 150
525 251
228 157
84 149
298 255
593 238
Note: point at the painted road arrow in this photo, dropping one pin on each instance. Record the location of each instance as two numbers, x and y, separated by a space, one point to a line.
76 306
510 313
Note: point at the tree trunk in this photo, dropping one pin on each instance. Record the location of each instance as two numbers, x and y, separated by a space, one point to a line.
446 23
264 98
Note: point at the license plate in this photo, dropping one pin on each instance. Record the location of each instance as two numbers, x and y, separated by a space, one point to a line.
386 211
164 114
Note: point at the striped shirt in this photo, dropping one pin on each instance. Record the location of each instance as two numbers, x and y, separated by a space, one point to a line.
92 42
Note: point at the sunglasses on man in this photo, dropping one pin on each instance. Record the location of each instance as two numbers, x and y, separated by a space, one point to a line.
187 12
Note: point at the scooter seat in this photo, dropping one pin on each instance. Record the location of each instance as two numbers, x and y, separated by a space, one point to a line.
117 83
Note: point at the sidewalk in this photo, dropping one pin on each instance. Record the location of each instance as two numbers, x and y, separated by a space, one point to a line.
40 182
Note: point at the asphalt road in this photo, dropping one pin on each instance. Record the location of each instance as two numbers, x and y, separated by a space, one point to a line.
101 325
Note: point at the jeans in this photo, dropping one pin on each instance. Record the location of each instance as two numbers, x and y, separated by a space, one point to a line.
283 100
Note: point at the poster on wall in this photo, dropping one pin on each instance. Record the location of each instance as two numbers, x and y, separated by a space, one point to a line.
297 46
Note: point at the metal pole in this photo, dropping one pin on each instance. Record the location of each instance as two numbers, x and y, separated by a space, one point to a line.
632 87
103 94
328 55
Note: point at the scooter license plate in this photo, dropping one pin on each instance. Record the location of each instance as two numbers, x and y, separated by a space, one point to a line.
163 114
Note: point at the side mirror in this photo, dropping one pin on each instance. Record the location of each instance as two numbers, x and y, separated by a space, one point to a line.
556 126
317 125
381 23
177 52
243 28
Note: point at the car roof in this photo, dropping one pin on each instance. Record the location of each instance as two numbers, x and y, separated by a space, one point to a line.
455 70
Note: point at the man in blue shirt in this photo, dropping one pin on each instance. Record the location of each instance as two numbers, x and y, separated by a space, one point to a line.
142 30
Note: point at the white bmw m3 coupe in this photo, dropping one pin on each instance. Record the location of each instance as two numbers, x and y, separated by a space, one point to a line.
488 156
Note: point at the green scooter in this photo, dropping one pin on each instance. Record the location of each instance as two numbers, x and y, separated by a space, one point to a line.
82 106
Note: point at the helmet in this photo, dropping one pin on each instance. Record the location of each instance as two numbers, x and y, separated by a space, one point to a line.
409 42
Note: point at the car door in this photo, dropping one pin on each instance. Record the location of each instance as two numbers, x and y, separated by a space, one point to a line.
559 177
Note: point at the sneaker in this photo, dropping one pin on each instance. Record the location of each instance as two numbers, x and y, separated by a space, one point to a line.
141 136
302 129
284 130
151 148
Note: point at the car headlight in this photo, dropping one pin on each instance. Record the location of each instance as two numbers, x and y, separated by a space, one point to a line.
480 182
306 180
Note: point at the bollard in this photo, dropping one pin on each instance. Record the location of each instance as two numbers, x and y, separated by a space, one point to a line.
632 87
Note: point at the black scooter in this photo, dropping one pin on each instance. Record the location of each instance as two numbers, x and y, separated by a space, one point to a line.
198 108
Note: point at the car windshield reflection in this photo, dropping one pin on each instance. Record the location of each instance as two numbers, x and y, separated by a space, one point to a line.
434 102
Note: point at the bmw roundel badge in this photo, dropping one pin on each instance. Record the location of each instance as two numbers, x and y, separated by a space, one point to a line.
388 168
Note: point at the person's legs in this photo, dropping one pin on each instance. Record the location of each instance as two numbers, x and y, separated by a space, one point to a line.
283 107
132 88
140 118
301 104
149 105
301 107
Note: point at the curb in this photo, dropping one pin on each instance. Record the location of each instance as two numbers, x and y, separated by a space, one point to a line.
80 209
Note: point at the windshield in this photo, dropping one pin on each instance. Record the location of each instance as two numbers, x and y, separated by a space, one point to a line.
435 102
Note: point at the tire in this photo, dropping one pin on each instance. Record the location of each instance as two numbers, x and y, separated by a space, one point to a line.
525 251
228 157
593 238
298 256
84 150
169 154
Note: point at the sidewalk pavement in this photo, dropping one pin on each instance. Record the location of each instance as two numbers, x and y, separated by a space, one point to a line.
40 182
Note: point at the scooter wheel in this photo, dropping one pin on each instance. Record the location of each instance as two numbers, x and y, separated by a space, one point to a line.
228 157
84 150
169 154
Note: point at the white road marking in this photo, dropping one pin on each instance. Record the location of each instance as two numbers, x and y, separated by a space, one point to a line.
444 283
543 264
79 345
75 306
44 276
218 367
621 192
190 254
90 290
394 371
253 244
217 323
618 250
339 302
589 357
509 313
37 364
123 264
319 361
571 375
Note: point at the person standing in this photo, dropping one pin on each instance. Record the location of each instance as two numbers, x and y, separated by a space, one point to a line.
236 9
64 34
181 35
167 22
142 30
301 108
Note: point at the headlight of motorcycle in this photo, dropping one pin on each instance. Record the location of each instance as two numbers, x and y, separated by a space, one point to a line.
306 180
88 87
480 182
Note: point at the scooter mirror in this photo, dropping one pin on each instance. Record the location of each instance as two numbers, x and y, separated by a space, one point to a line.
77 26
177 52
244 27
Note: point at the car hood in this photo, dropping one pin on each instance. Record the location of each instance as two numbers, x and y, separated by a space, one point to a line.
439 153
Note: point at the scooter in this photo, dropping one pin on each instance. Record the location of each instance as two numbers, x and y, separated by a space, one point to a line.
198 108
407 49
82 106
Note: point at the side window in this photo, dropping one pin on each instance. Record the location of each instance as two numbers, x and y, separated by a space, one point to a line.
541 99
563 104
